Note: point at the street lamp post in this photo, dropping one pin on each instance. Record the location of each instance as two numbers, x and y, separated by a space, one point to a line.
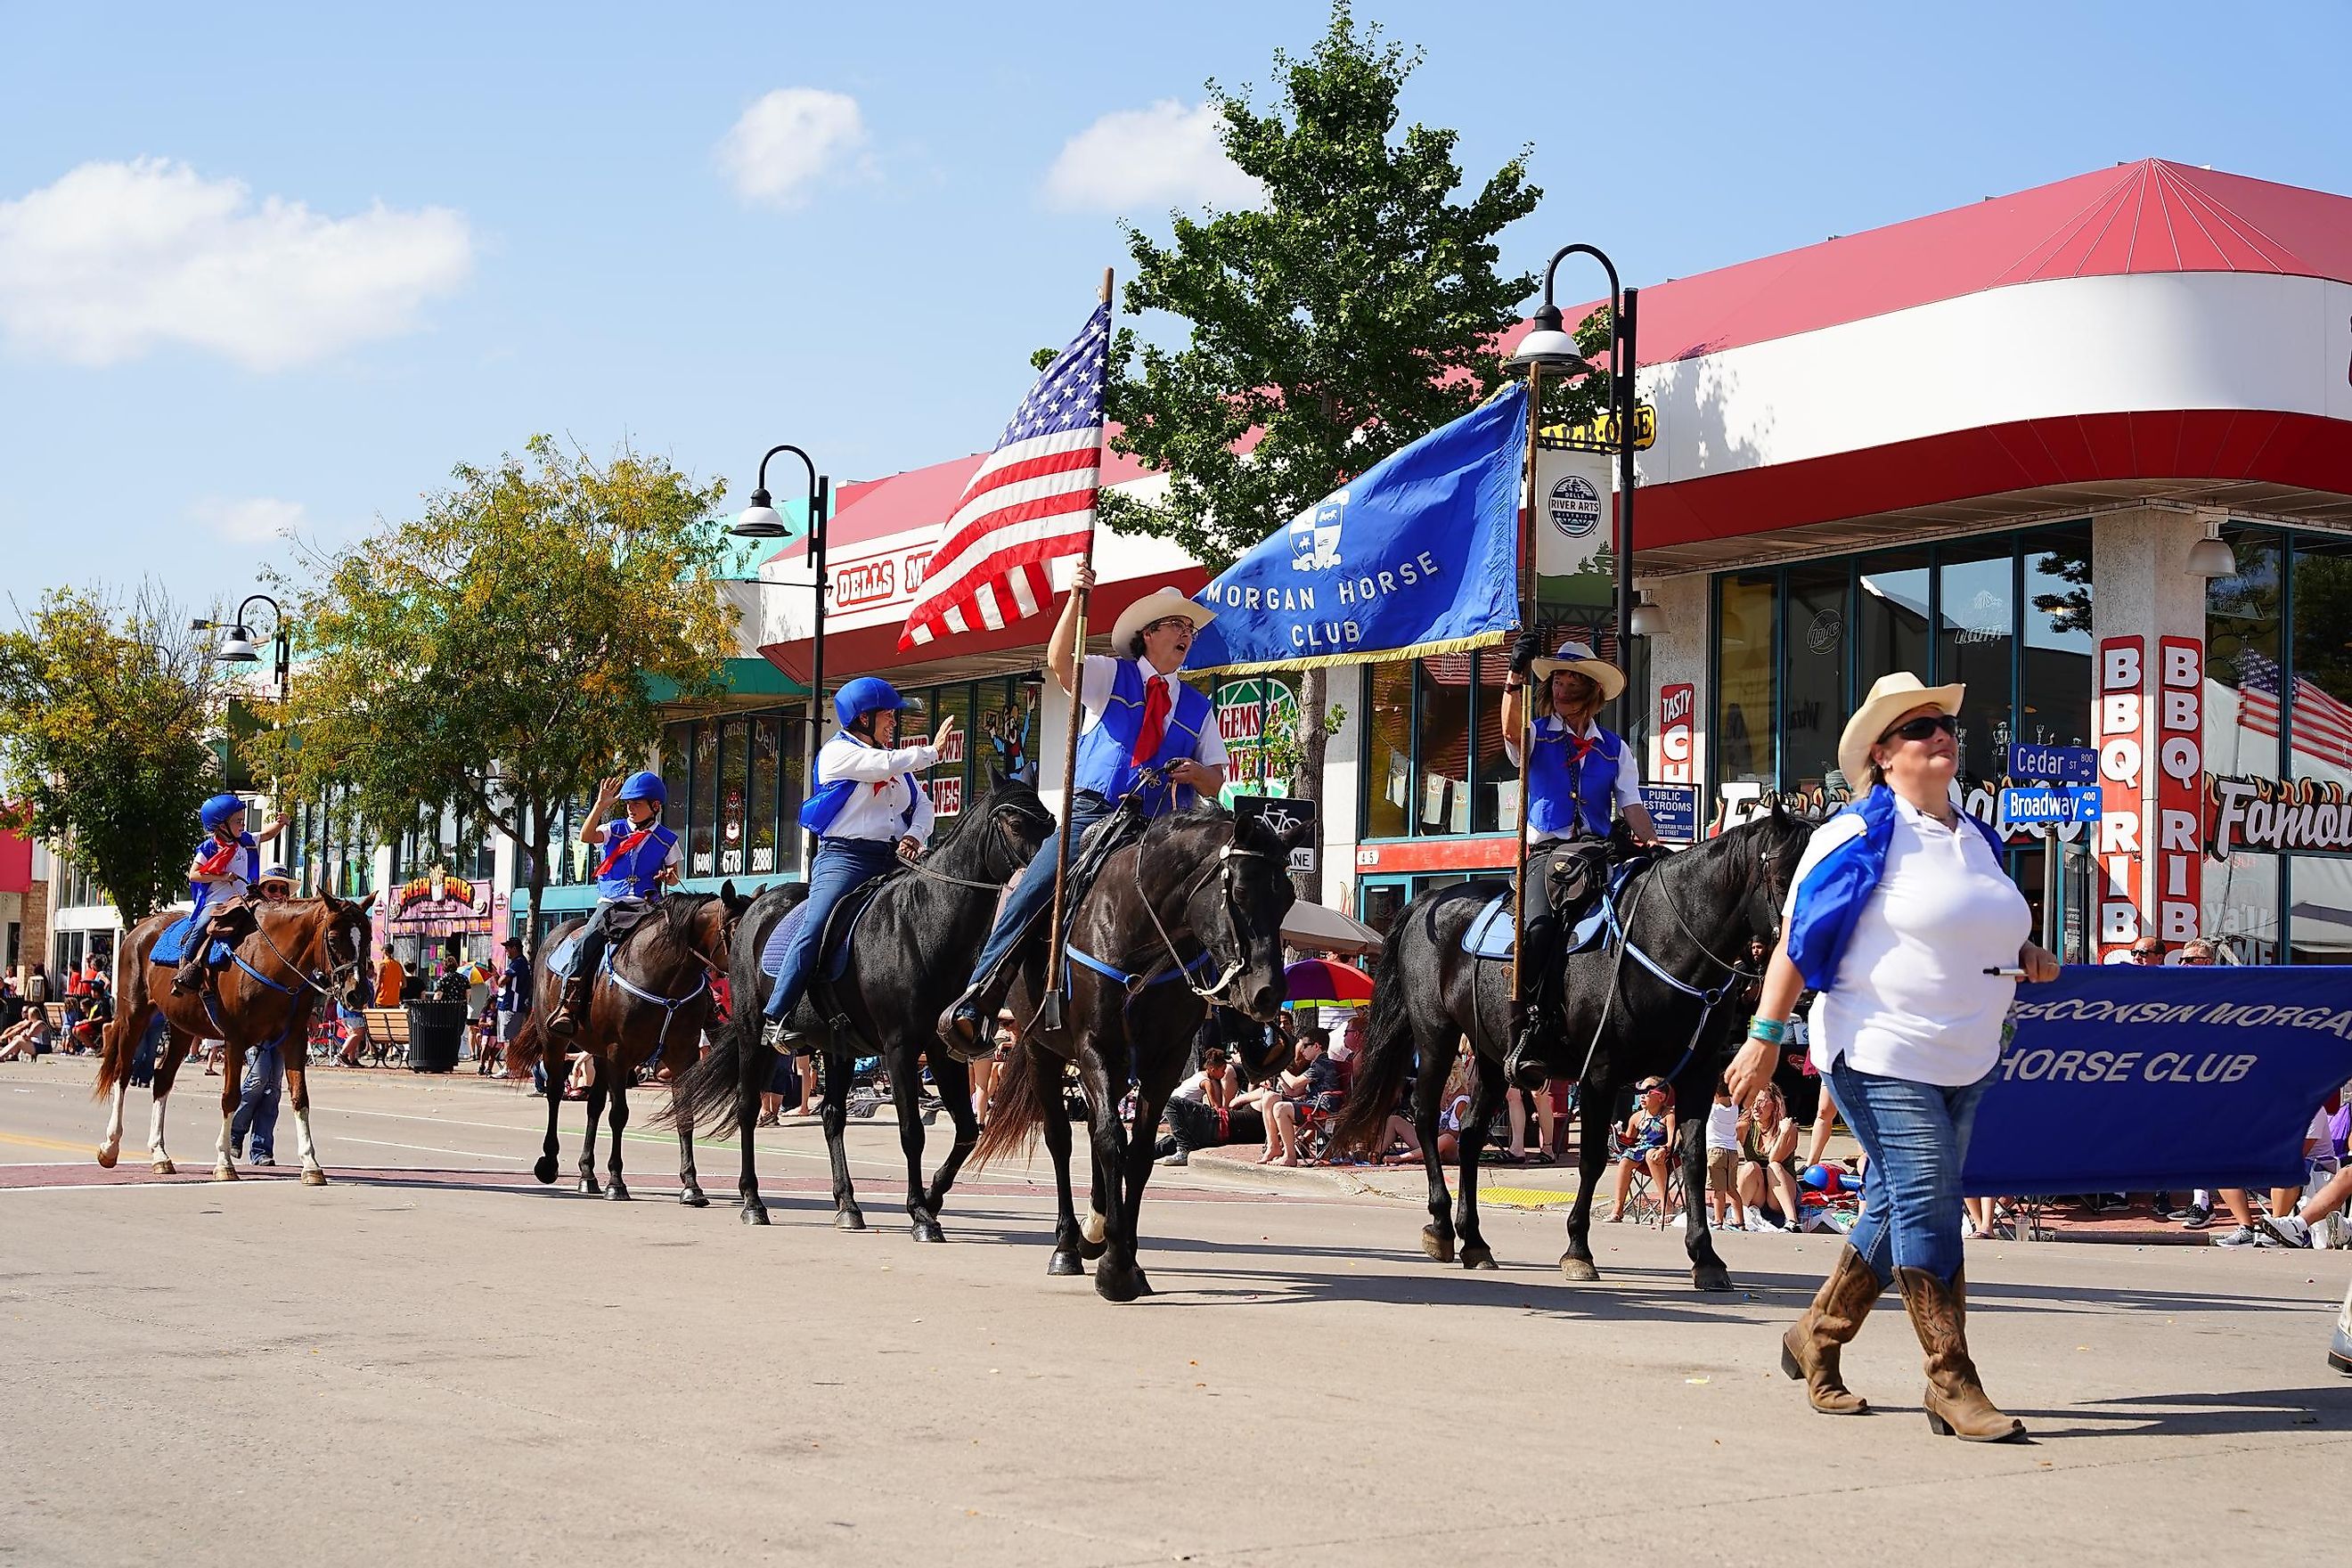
238 648
761 521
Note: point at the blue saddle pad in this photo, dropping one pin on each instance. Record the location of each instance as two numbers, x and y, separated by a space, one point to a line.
846 916
1490 933
172 947
559 961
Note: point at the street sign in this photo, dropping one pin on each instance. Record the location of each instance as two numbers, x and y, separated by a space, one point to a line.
2043 805
1600 434
1674 811
1283 814
2054 765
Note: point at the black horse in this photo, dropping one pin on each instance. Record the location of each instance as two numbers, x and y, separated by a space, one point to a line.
913 947
1187 915
1691 914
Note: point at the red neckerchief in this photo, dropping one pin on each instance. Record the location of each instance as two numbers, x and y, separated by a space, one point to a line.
623 847
1154 728
222 857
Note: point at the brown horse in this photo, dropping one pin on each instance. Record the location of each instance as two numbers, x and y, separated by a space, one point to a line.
300 952
653 999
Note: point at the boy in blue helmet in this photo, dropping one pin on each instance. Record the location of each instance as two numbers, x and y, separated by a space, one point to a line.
226 864
1140 716
642 857
869 809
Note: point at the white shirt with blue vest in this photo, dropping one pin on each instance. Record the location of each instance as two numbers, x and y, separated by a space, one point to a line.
634 859
1114 691
234 879
1574 787
883 799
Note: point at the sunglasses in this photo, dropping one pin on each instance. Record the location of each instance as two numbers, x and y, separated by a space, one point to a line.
1920 728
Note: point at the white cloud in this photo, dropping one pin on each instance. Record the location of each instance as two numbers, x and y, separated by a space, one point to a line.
1133 159
788 139
115 259
259 520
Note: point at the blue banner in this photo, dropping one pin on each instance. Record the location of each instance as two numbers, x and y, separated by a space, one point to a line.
2123 1078
1417 555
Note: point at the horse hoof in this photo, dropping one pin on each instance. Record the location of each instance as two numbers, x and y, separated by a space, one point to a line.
1115 1287
1143 1284
313 1178
545 1170
106 1158
1090 1250
224 1172
618 1191
693 1198
849 1219
588 1185
926 1228
1577 1270
1064 1264
165 1168
1436 1247
1477 1255
755 1214
1712 1276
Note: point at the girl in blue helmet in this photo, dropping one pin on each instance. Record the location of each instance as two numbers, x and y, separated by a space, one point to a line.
868 810
226 864
641 858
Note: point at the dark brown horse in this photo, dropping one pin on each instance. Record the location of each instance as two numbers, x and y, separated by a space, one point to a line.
1189 914
652 999
301 951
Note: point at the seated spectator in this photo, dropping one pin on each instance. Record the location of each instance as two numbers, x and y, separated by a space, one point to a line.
1646 1139
1315 1079
1723 1159
1767 1162
2285 1225
1515 1105
1200 1113
97 1011
31 1038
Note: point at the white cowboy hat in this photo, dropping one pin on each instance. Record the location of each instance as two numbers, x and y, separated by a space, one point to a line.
1579 657
1891 696
1156 605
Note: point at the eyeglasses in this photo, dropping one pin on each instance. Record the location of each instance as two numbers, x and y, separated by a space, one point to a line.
1920 728
1184 621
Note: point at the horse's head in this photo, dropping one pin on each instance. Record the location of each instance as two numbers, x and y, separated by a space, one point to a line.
706 922
1774 844
1016 823
1235 894
337 931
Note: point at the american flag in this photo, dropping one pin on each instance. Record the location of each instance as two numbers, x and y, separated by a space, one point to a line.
2323 726
1032 502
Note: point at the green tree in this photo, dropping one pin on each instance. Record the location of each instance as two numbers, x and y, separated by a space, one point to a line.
492 656
105 716
1353 310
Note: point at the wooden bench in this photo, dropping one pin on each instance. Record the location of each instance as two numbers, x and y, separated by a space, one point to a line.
56 1011
387 1026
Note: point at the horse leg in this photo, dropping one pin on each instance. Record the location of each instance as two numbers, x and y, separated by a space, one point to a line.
615 1188
1592 1103
756 1063
1067 1242
298 1089
1488 1096
552 1065
689 1184
954 1081
1114 1271
1126 1234
834 1112
133 1033
1707 1272
1428 1101
596 1093
907 1095
232 1089
166 1071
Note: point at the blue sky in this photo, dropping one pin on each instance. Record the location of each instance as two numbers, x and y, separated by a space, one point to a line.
531 219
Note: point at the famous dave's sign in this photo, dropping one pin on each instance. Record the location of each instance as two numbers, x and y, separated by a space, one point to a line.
2277 817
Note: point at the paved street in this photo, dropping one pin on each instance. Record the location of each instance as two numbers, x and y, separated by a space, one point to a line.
435 1360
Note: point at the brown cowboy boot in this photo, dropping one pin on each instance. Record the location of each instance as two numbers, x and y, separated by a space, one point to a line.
571 1009
1809 1348
1956 1404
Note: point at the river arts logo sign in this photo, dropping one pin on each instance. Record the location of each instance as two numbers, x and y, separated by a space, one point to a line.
1315 536
1574 506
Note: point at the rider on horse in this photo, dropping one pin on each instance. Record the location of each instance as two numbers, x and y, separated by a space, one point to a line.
1140 716
226 864
1580 777
643 858
868 811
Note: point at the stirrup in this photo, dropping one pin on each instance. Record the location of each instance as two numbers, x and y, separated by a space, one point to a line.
969 1012
778 1036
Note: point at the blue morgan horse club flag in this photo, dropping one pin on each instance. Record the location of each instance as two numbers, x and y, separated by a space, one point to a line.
1418 555
2129 1079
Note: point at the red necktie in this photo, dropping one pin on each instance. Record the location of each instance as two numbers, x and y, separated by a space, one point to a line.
1585 746
1155 720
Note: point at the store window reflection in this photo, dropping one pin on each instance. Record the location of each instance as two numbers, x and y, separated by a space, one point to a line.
1976 645
1744 709
2054 673
1388 784
1813 659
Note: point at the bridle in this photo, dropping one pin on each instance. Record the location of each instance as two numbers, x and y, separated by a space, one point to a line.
1001 818
328 983
1223 869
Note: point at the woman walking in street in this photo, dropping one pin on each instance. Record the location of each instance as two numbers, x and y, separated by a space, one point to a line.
1904 919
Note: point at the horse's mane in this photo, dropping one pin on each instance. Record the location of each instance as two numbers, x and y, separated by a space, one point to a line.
1006 792
679 911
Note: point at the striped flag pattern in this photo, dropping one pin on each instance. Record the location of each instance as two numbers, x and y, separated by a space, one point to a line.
1031 504
2323 725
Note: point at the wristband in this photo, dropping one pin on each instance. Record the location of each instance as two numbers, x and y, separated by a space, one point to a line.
1772 1031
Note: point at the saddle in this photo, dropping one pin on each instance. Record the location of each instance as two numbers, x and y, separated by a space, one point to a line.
1492 931
172 947
820 1007
621 922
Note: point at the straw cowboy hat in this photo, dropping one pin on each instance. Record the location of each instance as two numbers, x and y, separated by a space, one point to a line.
1579 657
1157 605
1891 696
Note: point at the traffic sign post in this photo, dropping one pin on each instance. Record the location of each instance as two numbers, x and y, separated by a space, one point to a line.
2053 764
2047 806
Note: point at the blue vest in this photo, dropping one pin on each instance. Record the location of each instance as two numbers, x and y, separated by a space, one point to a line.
249 852
630 873
1831 899
1565 793
1106 752
818 810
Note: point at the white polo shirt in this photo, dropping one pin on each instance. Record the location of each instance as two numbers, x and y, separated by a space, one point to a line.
877 808
1912 998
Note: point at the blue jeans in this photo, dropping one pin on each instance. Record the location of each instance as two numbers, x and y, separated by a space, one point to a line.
842 866
256 1105
1916 1135
1032 896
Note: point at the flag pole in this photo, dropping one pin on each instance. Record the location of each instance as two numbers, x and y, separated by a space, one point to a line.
1526 696
1050 1007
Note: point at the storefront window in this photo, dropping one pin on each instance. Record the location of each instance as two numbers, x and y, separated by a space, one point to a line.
2245 620
1891 609
1814 661
2055 675
1388 749
2240 898
1745 707
949 781
702 815
2319 713
1977 644
1442 803
760 820
677 764
2319 921
1494 777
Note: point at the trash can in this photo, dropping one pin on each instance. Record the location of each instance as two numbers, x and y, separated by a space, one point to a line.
436 1029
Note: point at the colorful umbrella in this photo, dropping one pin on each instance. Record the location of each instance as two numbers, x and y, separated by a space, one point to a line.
1320 982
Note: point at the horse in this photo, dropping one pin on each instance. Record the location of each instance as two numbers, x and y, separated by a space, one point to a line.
653 999
914 944
299 951
1200 880
1663 1012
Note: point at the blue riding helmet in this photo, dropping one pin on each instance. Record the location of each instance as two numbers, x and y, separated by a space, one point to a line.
645 785
217 811
866 694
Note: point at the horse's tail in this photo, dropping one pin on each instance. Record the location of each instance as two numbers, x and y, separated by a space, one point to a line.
116 1047
528 1044
1026 1093
703 1100
1385 1056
